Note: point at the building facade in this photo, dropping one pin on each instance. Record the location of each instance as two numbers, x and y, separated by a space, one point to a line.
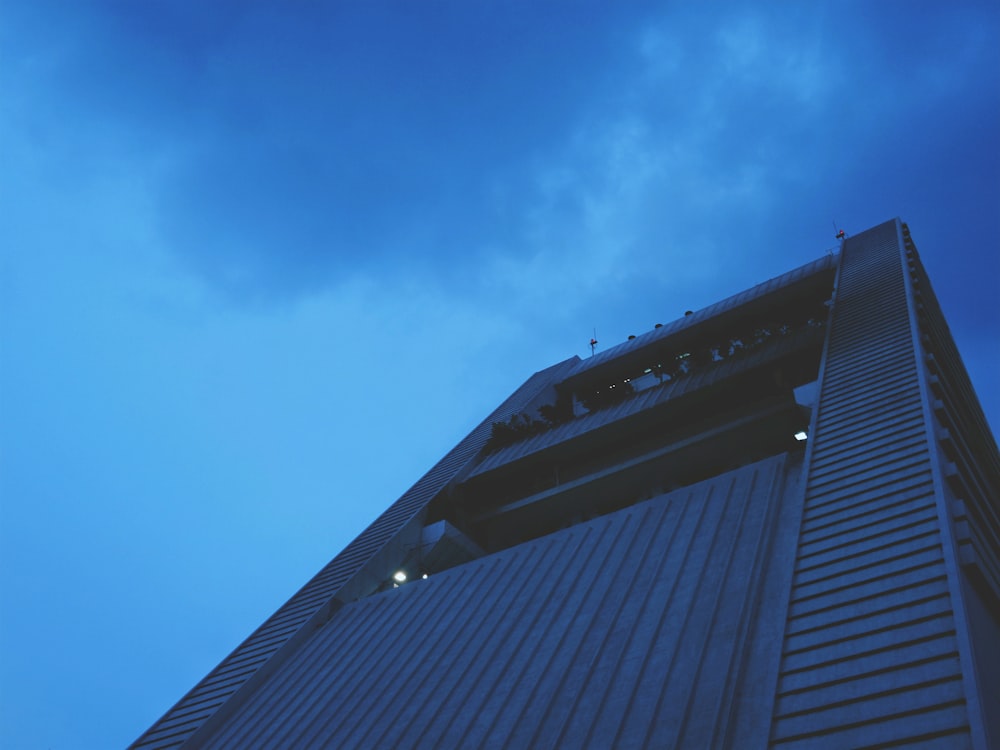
774 522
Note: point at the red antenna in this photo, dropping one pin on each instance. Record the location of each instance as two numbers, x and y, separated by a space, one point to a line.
840 232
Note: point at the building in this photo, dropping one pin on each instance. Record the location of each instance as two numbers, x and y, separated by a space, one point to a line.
774 522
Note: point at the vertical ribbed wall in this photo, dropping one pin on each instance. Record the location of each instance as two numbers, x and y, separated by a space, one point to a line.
870 655
971 494
626 631
973 468
261 649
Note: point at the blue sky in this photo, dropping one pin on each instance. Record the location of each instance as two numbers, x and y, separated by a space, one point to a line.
262 264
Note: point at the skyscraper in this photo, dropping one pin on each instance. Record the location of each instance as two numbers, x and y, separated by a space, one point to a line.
772 522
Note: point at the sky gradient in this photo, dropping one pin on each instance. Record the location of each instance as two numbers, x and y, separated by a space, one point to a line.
263 264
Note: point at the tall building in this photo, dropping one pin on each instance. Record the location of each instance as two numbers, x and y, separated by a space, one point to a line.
774 522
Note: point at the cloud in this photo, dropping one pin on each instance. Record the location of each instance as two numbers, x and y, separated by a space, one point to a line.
287 172
657 190
280 157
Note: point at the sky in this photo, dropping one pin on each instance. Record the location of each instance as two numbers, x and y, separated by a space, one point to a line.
262 264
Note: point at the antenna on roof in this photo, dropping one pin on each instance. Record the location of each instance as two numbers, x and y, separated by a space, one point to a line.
840 234
593 343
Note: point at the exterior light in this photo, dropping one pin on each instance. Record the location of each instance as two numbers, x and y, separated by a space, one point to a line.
800 435
424 575
399 576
